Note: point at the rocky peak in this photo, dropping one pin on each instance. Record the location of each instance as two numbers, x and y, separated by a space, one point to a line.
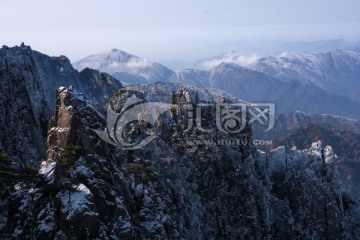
84 165
29 81
72 122
23 111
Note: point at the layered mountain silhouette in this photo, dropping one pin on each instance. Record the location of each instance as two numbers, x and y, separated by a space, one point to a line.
326 83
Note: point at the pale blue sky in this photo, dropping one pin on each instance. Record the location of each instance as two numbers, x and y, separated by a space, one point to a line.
160 29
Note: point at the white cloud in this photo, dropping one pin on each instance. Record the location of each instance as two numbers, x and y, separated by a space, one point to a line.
237 58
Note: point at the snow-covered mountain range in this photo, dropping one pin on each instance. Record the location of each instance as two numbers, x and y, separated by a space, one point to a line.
309 82
336 71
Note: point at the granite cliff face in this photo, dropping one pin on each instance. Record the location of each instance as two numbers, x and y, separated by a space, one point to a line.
91 198
29 81
167 190
171 188
24 112
163 190
193 191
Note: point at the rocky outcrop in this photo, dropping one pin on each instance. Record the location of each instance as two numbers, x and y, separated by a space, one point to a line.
173 188
24 113
29 81
344 143
85 161
81 192
300 130
185 190
71 124
165 190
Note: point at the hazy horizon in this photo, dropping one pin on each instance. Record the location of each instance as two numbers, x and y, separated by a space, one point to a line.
167 30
